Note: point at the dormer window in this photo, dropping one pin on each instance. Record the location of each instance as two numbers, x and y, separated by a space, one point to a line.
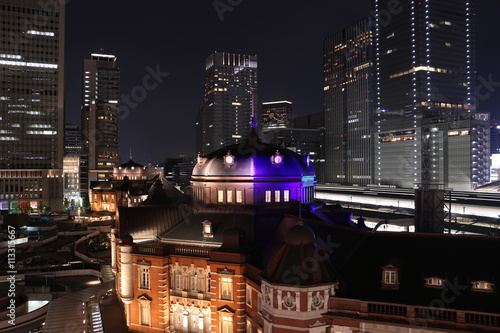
434 282
390 278
207 229
483 286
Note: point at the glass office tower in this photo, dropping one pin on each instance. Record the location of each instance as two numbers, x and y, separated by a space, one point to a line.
276 114
100 122
230 96
31 104
424 84
348 87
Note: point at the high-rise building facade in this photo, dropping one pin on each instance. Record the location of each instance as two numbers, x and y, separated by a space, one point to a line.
31 104
348 102
424 80
230 97
276 114
100 98
71 165
495 138
306 137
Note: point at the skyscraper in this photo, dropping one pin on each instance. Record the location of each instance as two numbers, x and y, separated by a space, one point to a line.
276 114
100 97
72 164
424 81
349 104
495 138
31 104
230 94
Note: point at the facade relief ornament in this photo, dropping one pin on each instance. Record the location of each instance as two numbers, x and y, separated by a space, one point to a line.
277 159
229 160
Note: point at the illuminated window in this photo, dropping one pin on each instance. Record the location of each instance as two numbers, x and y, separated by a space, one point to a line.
201 322
434 282
277 197
390 278
249 295
145 312
178 285
239 196
207 228
268 196
193 282
484 286
220 196
286 195
202 282
226 287
185 320
226 325
458 133
144 277
229 194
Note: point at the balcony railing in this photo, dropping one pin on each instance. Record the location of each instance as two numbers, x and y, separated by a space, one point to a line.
171 249
391 312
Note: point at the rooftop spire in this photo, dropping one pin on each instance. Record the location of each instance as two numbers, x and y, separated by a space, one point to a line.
131 153
253 138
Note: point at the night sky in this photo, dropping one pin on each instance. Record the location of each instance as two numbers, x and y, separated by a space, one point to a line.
177 37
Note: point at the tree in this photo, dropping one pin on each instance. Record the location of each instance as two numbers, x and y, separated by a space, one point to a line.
24 207
86 202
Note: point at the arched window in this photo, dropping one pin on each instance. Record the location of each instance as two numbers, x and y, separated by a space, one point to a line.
177 280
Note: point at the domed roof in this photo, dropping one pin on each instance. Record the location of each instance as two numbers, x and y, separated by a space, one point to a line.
299 250
300 234
127 239
254 159
131 164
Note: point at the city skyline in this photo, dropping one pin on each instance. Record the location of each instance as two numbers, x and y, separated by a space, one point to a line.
177 39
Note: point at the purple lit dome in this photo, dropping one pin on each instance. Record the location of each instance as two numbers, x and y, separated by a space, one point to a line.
251 173
256 161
